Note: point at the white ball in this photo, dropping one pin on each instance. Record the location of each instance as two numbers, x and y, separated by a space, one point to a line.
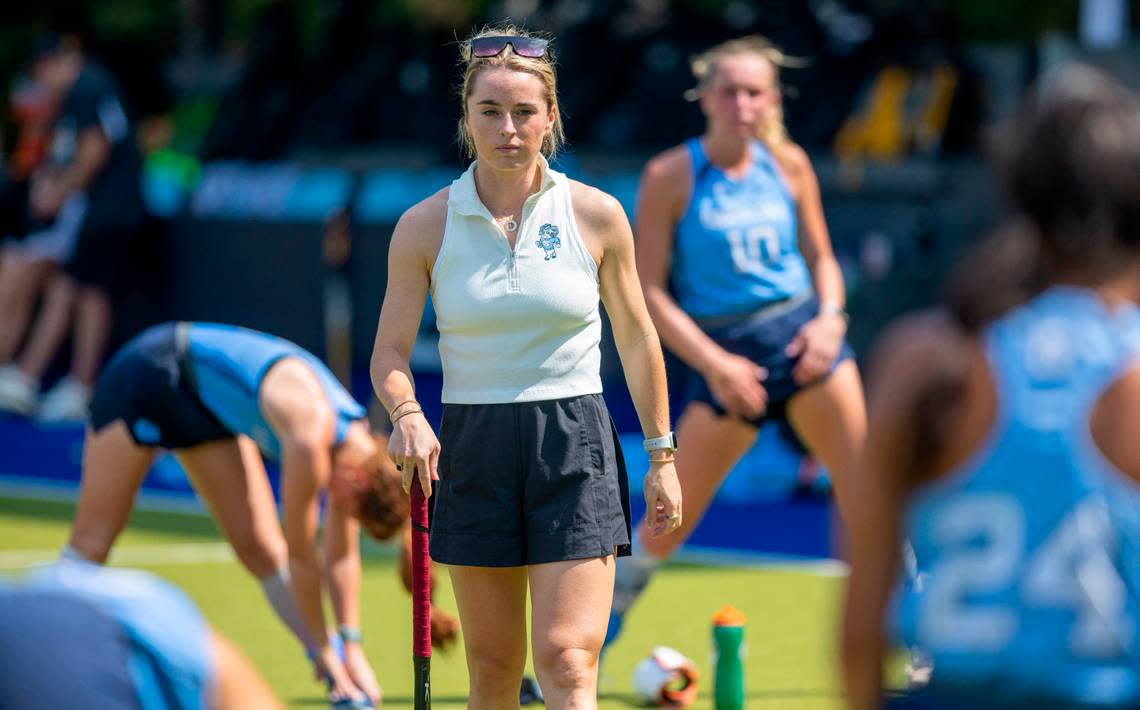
655 677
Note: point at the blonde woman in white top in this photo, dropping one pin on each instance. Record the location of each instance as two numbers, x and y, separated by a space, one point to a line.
528 478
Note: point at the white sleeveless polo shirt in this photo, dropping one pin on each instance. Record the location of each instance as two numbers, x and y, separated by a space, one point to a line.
521 325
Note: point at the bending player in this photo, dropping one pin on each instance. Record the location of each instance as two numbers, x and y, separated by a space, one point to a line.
97 627
214 395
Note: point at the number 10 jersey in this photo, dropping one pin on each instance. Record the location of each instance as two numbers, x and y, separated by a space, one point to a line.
735 249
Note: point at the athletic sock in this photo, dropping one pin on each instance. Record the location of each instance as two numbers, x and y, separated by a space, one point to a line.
632 577
70 554
280 596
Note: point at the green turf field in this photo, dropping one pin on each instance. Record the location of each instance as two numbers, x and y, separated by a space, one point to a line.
791 614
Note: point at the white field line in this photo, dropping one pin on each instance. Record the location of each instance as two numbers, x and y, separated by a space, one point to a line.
153 554
180 553
67 491
190 553
717 556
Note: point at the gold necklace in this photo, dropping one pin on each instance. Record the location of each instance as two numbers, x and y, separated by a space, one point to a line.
508 223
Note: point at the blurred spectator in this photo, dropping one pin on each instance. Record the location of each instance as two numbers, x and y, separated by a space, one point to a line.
84 209
24 267
33 109
117 639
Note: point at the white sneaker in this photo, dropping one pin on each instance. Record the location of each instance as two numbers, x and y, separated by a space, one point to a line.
19 393
66 402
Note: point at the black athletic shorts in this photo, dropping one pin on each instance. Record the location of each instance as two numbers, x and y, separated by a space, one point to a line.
529 483
146 384
762 337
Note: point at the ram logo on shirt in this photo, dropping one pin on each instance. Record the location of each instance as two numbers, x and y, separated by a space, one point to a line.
549 241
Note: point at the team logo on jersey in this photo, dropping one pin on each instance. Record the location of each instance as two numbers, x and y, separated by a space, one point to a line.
549 241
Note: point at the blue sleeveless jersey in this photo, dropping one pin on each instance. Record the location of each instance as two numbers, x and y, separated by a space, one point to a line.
229 363
170 659
1031 549
735 249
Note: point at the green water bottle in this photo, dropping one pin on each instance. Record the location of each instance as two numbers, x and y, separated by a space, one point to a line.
728 659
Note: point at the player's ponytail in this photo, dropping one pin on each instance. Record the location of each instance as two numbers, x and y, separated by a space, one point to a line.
1071 164
1070 160
1001 272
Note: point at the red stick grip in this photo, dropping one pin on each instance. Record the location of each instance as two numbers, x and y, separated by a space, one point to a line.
421 575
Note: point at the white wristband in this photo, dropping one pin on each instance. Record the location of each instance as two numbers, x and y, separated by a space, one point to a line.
661 443
834 309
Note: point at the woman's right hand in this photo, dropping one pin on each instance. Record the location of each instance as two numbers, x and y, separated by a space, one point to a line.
415 450
735 383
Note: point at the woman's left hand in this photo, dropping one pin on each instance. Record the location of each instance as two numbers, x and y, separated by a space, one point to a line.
356 663
662 498
816 345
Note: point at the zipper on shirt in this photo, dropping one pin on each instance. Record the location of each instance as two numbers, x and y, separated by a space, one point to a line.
513 270
514 283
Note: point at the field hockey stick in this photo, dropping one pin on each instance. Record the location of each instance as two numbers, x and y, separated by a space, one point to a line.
421 601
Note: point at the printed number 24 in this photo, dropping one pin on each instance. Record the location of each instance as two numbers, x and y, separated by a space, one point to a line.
1071 569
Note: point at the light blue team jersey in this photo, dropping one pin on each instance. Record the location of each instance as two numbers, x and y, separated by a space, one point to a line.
1031 549
229 364
170 659
735 249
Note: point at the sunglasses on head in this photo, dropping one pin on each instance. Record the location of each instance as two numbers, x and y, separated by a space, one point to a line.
531 47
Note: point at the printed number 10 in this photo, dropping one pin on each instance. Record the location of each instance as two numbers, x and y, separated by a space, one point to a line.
753 248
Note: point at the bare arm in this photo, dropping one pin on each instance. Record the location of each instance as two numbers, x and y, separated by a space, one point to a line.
636 341
342 561
303 463
296 407
633 330
415 242
91 156
662 196
814 240
50 188
660 202
342 565
404 299
819 341
908 364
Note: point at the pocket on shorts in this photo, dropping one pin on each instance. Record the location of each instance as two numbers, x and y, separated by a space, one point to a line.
602 478
590 457
559 472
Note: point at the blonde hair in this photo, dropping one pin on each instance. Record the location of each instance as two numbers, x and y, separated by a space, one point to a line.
542 67
704 65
